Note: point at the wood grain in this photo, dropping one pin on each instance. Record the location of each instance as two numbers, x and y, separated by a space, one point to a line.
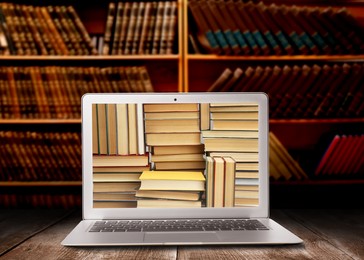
327 234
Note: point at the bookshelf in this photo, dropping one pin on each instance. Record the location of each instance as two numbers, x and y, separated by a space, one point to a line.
184 71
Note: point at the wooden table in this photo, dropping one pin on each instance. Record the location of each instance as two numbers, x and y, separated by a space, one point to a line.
327 234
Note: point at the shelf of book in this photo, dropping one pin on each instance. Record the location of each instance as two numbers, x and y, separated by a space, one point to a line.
91 58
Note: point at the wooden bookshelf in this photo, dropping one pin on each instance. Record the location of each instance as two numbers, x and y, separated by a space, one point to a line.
187 72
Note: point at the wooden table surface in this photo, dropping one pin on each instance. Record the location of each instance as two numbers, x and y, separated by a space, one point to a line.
327 234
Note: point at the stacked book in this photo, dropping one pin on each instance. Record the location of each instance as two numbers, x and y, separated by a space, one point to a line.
40 156
141 28
281 164
119 153
246 28
220 182
55 92
42 30
233 132
173 136
343 158
169 189
321 91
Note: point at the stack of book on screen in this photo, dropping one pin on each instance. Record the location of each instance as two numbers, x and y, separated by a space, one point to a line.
119 153
343 158
329 90
245 28
233 135
52 30
170 189
40 156
55 92
281 164
141 28
173 136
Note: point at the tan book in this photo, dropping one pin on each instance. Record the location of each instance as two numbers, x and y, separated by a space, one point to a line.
178 165
171 195
108 196
95 134
132 129
204 116
177 157
120 169
246 187
247 166
229 188
238 157
230 133
122 129
110 23
172 180
247 194
231 145
119 160
234 116
116 177
234 125
115 186
246 202
172 126
171 107
209 173
171 115
247 174
173 139
178 149
219 182
150 203
101 126
115 204
111 129
237 108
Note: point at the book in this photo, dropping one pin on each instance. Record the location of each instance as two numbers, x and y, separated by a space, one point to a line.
168 139
115 186
119 160
230 145
198 157
120 169
221 81
122 129
109 196
172 125
178 149
205 35
132 129
179 165
219 125
209 174
116 177
219 180
230 133
170 107
114 204
160 203
111 129
229 170
204 116
172 180
101 126
170 195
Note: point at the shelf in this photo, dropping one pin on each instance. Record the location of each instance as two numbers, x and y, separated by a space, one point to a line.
40 183
331 58
319 182
38 121
89 58
317 121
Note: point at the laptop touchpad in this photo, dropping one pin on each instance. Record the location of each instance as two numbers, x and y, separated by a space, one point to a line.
180 237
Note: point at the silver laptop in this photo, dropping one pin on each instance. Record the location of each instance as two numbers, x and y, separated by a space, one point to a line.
176 169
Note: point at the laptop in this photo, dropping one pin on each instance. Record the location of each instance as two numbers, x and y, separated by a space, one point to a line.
176 169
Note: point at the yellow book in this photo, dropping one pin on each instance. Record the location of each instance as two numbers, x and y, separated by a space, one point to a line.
172 180
172 175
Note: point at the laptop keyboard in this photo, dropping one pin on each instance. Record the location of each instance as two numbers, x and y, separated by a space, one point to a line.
177 225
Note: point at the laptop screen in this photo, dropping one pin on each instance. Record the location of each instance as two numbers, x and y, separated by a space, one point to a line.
175 155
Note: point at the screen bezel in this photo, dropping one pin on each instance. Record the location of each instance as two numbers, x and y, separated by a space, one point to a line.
260 211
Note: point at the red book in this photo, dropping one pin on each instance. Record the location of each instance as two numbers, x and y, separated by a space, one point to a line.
320 169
